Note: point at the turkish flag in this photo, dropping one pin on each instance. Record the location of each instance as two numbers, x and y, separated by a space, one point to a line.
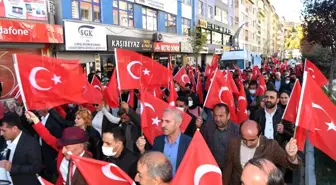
172 92
48 82
220 92
261 86
97 172
43 181
181 77
293 103
92 95
242 105
233 85
130 99
315 73
317 114
198 165
111 92
151 111
192 79
134 70
255 72
96 83
214 61
199 88
208 70
290 115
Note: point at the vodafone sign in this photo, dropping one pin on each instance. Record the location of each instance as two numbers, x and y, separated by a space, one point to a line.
21 31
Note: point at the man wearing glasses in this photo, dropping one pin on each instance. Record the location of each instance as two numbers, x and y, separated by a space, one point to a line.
251 144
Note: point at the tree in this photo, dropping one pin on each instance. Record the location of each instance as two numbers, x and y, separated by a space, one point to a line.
293 37
320 28
197 40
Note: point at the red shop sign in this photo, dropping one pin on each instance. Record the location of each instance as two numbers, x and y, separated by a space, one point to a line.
166 47
21 31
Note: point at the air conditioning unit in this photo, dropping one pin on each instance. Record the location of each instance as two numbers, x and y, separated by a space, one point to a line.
158 37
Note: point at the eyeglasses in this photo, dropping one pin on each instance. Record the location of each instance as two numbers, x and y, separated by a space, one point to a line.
95 105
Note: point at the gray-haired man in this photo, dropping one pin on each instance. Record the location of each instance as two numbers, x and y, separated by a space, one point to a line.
172 143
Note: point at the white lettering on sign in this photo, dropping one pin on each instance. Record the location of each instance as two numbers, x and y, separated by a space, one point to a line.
12 31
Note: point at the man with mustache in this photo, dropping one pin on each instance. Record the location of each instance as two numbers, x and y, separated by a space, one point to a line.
173 143
270 119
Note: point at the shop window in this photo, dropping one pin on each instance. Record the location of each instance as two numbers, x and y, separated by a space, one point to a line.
123 13
208 35
170 23
149 19
186 26
216 38
86 10
200 7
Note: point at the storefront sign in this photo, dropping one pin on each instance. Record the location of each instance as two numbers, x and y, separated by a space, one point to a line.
21 31
186 47
166 5
84 37
130 43
203 23
166 47
24 9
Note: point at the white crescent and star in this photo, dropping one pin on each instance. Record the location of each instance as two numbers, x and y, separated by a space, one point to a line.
130 65
183 78
331 125
32 79
155 120
204 169
239 99
313 74
221 91
108 173
97 87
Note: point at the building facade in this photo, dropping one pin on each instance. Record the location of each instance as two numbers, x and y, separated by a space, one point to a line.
94 28
215 19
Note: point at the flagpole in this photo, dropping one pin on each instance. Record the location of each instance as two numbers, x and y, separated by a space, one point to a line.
17 73
304 83
117 71
206 98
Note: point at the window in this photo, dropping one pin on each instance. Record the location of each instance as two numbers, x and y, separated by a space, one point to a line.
86 10
225 1
224 17
149 19
186 25
208 35
226 39
200 7
216 38
170 23
188 2
231 21
210 12
218 16
123 13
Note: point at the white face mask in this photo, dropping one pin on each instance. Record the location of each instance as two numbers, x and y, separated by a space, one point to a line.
190 103
252 91
108 151
180 108
287 81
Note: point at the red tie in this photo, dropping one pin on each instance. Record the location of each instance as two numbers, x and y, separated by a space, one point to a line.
70 172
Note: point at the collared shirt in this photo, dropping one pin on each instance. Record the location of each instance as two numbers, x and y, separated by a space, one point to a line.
246 153
64 168
12 146
277 84
220 143
44 120
269 129
171 150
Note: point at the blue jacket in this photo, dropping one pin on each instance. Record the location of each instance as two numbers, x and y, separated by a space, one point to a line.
183 146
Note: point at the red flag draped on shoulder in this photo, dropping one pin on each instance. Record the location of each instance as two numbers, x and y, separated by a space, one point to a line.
133 68
151 112
47 82
100 172
198 165
317 114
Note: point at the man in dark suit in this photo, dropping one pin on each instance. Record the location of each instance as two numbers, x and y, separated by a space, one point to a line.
173 143
49 155
25 153
251 144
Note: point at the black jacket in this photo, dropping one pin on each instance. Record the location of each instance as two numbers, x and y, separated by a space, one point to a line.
191 129
260 118
95 142
27 161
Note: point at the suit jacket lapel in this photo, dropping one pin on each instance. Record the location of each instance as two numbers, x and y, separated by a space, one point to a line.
260 148
181 151
18 147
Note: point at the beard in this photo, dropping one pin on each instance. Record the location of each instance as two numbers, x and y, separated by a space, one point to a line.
270 105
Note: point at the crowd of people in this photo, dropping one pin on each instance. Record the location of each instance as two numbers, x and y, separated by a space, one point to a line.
260 150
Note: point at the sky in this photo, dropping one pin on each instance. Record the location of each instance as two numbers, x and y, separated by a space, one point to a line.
290 9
